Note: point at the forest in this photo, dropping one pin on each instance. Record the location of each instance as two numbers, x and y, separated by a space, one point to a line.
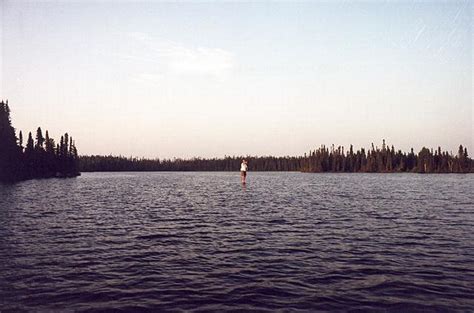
375 160
39 158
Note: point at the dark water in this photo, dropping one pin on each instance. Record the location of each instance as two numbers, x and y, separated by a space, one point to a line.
201 241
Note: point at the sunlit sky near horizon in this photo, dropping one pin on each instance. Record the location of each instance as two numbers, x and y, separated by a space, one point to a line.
208 79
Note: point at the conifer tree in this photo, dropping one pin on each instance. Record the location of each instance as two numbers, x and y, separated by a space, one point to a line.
20 140
39 139
29 157
30 145
9 150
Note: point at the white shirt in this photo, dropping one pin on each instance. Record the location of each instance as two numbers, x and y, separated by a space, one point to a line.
243 167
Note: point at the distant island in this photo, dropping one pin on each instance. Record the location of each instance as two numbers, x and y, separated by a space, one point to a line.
42 158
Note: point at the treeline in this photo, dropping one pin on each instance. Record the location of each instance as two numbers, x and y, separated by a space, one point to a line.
42 157
97 163
387 160
39 158
375 160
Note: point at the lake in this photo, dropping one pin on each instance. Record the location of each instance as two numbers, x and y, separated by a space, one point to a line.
200 241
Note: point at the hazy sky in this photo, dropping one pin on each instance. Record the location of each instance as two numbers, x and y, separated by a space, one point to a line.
187 79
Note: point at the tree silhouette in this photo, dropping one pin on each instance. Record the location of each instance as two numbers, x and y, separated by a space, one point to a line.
10 152
320 160
46 158
39 159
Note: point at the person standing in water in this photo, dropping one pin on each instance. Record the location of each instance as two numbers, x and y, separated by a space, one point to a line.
243 171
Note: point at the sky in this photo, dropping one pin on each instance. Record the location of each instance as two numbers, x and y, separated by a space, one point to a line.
209 79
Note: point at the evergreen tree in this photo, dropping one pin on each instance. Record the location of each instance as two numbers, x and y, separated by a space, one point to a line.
39 159
39 139
20 140
30 145
29 157
10 153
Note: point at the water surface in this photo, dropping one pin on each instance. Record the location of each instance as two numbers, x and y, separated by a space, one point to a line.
202 241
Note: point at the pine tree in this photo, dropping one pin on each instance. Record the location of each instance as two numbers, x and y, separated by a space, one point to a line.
29 157
20 140
39 139
30 145
462 160
10 152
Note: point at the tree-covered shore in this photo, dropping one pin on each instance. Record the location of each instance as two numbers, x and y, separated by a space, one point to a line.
42 158
375 160
39 158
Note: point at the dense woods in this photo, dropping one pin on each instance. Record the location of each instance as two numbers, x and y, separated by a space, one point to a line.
114 163
41 157
387 160
383 160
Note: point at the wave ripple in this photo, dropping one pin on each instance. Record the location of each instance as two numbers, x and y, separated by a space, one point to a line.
124 242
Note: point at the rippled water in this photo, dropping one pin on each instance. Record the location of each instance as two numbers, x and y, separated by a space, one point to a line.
202 241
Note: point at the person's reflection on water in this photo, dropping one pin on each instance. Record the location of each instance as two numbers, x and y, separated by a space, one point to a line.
243 171
244 187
